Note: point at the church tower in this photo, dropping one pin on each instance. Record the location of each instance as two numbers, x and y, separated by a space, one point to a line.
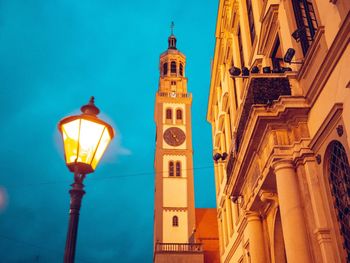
174 212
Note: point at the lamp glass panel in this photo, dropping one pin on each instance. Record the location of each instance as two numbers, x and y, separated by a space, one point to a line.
70 133
105 140
90 134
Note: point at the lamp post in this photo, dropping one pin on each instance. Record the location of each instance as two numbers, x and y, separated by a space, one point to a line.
85 138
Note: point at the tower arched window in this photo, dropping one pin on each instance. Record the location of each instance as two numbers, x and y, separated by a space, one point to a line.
169 114
175 221
179 114
339 180
173 67
181 69
165 68
171 168
178 168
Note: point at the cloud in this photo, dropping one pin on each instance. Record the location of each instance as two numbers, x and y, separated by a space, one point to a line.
3 198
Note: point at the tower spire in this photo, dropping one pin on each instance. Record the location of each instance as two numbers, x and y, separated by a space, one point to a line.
172 27
172 38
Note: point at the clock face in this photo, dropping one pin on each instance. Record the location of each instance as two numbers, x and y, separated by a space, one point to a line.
174 136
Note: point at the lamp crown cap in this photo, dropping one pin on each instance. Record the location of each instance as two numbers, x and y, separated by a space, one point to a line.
90 108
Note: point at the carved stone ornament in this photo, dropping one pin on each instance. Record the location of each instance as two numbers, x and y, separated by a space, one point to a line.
340 130
318 158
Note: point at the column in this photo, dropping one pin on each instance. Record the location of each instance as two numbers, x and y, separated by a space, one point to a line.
256 238
293 222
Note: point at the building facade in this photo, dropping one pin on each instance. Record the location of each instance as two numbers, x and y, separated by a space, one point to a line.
279 107
175 223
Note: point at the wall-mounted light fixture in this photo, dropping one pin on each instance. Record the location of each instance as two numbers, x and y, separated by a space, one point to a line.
289 56
255 70
245 72
234 71
297 33
242 73
266 70
218 156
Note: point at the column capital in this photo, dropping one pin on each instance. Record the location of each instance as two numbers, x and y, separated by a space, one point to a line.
252 216
282 164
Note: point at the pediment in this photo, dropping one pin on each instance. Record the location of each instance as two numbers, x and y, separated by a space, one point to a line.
269 28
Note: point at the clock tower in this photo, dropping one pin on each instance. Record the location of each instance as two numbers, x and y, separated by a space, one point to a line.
174 212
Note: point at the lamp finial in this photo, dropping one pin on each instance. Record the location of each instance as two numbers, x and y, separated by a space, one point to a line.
90 108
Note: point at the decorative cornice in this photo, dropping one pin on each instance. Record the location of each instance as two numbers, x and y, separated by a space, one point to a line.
175 208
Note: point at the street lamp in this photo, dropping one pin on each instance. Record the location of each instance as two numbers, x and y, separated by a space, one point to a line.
85 138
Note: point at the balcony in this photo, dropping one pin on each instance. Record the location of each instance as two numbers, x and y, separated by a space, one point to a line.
179 247
260 91
178 252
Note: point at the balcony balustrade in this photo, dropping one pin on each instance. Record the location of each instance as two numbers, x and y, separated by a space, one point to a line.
179 248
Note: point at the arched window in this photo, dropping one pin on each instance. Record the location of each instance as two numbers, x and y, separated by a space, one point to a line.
178 168
171 168
169 114
173 67
339 180
179 114
175 221
181 69
165 68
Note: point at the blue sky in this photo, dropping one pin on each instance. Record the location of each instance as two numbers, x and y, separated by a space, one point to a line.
53 56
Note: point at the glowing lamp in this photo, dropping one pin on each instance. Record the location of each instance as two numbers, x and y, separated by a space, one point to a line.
85 138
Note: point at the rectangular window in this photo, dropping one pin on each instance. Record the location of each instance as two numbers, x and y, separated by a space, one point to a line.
276 56
171 168
173 67
168 114
178 169
305 18
240 46
251 20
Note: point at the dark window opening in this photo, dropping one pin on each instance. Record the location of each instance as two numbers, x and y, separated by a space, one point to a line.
235 89
181 69
251 20
179 114
165 68
175 221
339 177
169 114
240 46
305 18
276 55
173 67
178 169
171 168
